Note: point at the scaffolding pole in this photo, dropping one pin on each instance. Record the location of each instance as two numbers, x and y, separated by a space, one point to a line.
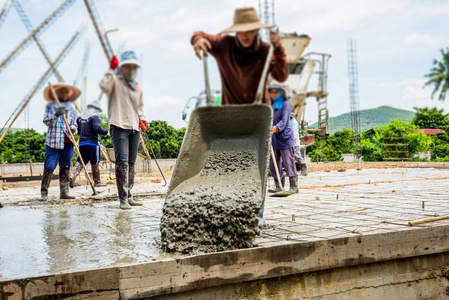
44 77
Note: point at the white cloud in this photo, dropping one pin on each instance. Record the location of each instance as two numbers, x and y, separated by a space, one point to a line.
423 40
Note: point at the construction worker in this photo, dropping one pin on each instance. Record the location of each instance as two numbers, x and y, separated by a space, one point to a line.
298 157
126 120
283 139
59 143
89 128
241 58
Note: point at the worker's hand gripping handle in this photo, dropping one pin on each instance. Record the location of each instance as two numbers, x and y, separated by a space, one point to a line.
209 101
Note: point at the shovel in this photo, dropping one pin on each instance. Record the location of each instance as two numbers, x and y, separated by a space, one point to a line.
282 192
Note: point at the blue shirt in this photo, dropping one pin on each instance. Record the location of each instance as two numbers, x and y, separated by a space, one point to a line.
89 130
57 129
283 137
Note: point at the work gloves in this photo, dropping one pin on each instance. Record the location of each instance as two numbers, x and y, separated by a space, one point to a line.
73 129
274 130
143 125
113 64
59 111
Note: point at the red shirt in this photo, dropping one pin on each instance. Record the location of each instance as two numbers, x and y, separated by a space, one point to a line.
240 70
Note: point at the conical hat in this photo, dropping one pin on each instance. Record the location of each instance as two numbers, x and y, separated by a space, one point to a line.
74 92
246 19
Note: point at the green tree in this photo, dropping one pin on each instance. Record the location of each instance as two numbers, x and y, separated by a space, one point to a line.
165 140
19 146
439 75
104 140
431 118
440 147
418 141
371 145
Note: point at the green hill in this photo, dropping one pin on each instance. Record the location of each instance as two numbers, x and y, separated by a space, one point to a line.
369 118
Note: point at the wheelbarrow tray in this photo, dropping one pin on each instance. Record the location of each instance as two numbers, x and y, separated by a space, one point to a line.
224 131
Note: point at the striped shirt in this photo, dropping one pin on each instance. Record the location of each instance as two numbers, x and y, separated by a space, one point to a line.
56 126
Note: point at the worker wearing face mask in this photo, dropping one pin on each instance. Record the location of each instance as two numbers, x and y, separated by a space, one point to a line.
126 120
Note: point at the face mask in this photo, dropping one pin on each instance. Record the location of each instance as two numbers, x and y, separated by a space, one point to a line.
129 73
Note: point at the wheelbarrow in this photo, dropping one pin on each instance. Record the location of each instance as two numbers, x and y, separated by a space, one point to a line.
111 156
219 180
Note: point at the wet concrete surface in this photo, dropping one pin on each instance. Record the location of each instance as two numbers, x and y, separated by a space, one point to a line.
47 239
44 239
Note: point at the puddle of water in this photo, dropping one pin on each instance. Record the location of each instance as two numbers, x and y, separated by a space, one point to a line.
42 240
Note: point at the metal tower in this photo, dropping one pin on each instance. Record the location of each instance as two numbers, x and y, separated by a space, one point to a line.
266 10
354 98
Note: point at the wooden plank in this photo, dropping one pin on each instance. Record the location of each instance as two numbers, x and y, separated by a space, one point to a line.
202 271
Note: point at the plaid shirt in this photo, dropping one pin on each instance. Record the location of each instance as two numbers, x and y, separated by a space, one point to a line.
56 126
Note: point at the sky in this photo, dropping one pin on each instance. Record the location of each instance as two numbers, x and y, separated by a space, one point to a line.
397 42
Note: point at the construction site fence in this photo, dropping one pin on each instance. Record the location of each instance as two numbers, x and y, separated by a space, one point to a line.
37 168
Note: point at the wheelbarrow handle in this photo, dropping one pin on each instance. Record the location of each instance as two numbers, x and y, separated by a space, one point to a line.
206 81
261 87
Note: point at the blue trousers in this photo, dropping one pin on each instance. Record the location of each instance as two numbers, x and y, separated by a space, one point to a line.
126 144
54 156
90 153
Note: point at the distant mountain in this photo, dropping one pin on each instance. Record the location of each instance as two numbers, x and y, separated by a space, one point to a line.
369 118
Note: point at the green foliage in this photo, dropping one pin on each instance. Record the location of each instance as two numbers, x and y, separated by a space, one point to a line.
104 140
439 75
332 147
165 140
371 145
431 118
19 146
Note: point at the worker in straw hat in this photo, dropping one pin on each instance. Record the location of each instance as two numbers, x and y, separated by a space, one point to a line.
241 58
58 143
89 128
126 120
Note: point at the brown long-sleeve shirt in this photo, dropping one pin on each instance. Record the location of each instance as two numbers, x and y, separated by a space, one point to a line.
240 71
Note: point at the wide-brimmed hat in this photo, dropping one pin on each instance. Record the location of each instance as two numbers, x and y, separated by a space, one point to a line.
129 57
74 92
274 85
95 104
246 19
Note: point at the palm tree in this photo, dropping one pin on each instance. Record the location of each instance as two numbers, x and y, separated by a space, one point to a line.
439 75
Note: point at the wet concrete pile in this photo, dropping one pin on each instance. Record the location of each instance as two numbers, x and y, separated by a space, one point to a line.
216 210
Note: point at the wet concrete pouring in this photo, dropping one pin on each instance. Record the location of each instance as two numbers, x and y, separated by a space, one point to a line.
87 234
217 209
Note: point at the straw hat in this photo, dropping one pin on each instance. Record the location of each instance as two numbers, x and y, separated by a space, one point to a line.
74 92
246 19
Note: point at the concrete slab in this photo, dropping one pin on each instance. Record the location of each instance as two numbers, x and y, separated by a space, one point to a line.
67 238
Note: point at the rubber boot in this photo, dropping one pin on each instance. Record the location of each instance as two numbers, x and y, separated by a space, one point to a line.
46 179
277 188
121 178
304 170
96 176
293 185
76 171
131 200
64 183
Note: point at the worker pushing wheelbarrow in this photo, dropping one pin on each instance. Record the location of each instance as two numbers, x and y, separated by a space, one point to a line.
219 183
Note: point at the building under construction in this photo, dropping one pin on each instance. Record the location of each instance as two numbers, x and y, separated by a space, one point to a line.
374 231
